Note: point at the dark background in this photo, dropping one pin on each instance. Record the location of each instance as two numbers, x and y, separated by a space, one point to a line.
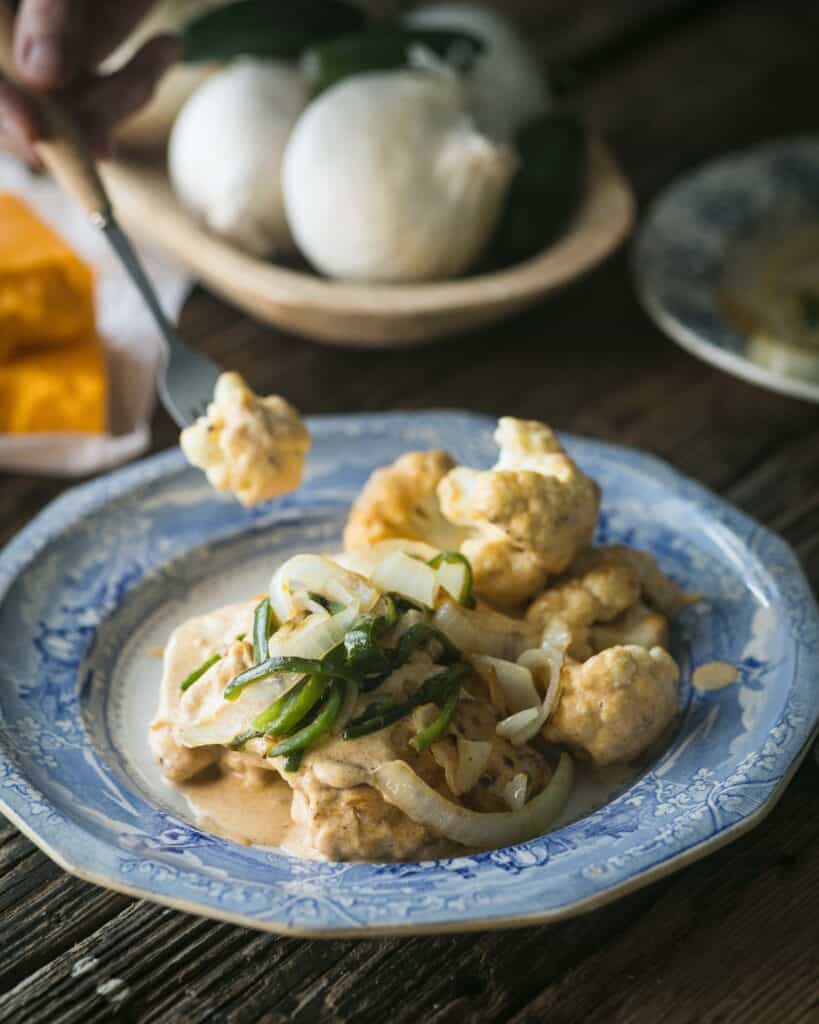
732 939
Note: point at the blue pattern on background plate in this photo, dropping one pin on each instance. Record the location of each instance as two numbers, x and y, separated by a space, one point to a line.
678 251
95 564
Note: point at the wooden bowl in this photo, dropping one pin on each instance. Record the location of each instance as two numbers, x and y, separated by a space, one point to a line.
376 315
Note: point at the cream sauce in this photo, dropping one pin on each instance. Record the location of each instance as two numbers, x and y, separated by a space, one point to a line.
248 808
226 793
714 675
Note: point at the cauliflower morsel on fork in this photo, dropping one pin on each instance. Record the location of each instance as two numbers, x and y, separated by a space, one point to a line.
518 523
252 446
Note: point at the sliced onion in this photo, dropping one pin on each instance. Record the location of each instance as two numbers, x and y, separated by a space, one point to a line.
481 631
304 574
473 757
550 656
206 717
399 785
314 636
514 680
364 560
514 792
402 574
454 578
515 726
405 622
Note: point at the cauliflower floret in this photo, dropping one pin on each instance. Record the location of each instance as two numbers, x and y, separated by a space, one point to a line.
615 705
638 625
658 590
527 518
252 446
517 523
599 595
401 500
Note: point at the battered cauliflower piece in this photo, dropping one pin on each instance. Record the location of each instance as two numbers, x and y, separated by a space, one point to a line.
638 625
401 500
615 705
517 523
659 591
599 595
612 595
252 446
527 517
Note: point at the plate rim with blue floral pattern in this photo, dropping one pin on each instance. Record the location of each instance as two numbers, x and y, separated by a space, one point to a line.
105 555
677 254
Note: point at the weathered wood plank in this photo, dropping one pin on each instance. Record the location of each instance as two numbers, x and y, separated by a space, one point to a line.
718 941
50 920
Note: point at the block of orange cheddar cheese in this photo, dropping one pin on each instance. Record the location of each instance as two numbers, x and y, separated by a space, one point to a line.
46 291
62 388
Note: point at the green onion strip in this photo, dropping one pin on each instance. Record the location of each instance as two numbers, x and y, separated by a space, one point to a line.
197 673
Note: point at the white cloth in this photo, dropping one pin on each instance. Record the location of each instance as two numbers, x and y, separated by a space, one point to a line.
132 341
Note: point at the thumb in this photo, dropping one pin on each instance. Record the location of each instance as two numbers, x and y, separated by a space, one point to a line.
49 41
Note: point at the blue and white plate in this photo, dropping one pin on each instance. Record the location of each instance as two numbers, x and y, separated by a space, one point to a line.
678 252
107 570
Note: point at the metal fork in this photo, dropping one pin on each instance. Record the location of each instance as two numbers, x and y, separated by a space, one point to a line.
186 378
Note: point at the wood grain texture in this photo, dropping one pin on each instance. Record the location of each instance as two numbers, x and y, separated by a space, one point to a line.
732 939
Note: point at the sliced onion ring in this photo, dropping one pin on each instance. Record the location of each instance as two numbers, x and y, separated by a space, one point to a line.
301 575
402 574
400 786
481 631
514 680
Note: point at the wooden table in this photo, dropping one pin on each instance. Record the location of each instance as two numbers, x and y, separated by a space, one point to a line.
734 938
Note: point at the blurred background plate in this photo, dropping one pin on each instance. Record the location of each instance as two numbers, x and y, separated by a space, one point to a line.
373 316
679 253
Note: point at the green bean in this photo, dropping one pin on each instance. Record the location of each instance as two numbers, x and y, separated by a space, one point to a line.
261 630
267 668
283 665
295 706
419 634
292 762
197 673
380 714
366 723
438 726
314 730
240 739
364 655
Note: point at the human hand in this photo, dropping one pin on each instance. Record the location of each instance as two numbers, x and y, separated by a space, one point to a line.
58 46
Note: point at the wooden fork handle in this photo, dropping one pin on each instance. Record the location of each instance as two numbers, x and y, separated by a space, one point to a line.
63 150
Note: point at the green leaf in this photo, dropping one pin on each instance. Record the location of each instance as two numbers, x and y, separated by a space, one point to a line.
546 190
383 49
267 28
